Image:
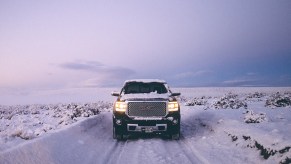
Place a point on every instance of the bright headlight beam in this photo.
(120, 106)
(173, 106)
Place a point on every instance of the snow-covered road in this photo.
(90, 141)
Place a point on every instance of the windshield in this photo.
(140, 87)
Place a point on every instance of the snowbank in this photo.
(30, 121)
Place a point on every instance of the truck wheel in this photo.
(116, 134)
(176, 133)
(175, 136)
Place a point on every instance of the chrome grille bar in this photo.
(147, 109)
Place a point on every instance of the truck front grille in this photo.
(147, 109)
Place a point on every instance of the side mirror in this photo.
(175, 94)
(114, 93)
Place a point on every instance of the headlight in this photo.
(173, 106)
(120, 106)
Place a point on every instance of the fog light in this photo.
(175, 121)
(170, 118)
(118, 122)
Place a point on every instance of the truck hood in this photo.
(145, 96)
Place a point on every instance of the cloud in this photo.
(95, 66)
(251, 74)
(98, 74)
(249, 79)
(193, 74)
(102, 81)
(241, 82)
(87, 65)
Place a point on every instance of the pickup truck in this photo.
(146, 106)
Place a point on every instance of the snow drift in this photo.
(243, 125)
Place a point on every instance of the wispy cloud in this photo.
(249, 79)
(100, 75)
(251, 74)
(240, 82)
(191, 74)
(83, 65)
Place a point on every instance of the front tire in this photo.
(175, 136)
(116, 134)
(175, 133)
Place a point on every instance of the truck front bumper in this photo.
(123, 123)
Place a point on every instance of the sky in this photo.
(191, 43)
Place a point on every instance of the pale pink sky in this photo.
(66, 44)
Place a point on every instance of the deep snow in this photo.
(219, 125)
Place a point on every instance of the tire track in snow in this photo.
(145, 150)
(121, 153)
(104, 135)
(155, 152)
(133, 152)
(186, 145)
(113, 149)
(110, 153)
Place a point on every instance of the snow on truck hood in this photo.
(146, 81)
(152, 95)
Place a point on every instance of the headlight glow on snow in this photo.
(120, 106)
(173, 106)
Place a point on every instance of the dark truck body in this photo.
(146, 106)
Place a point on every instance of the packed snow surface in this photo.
(219, 125)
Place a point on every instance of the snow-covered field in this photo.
(219, 125)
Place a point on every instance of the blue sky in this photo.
(74, 44)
